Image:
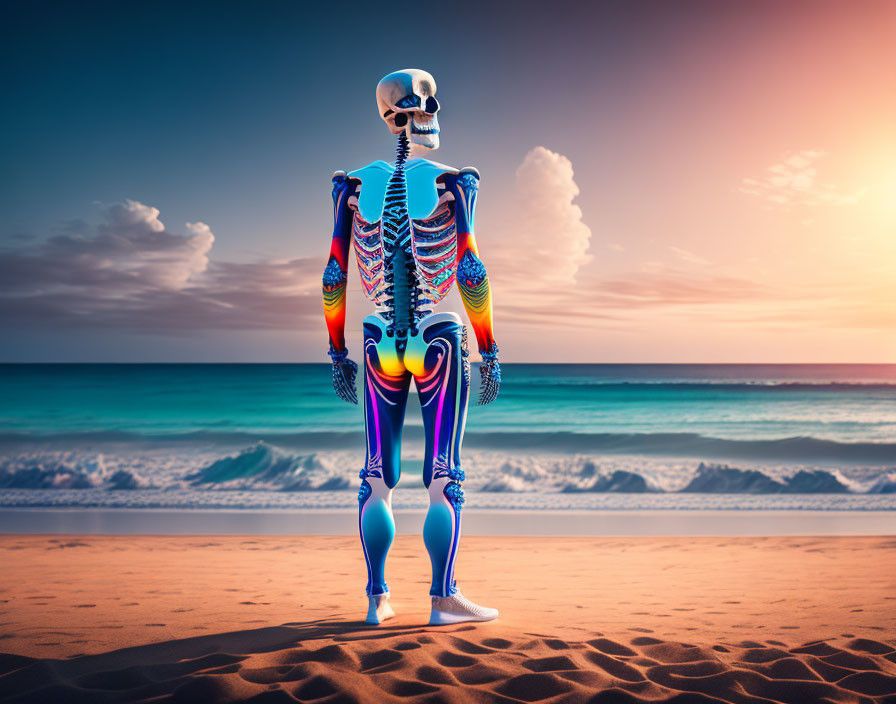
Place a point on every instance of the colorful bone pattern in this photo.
(444, 250)
(434, 243)
(335, 274)
(436, 359)
(472, 280)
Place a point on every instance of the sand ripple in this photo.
(341, 662)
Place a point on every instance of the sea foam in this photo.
(262, 475)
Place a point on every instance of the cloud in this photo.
(133, 273)
(794, 181)
(131, 251)
(130, 272)
(537, 256)
(672, 287)
(544, 227)
(620, 297)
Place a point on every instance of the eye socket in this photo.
(408, 101)
(432, 105)
(401, 119)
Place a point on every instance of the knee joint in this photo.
(446, 483)
(455, 495)
(372, 482)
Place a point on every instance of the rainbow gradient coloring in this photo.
(412, 227)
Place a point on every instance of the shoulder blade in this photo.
(423, 192)
(374, 178)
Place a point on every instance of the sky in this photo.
(661, 181)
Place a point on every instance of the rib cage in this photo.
(369, 251)
(433, 244)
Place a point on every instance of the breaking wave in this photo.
(66, 471)
(263, 467)
(266, 467)
(791, 449)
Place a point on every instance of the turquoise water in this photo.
(840, 403)
(555, 429)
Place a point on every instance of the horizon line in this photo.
(618, 364)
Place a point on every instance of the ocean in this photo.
(640, 437)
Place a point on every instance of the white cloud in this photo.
(794, 181)
(129, 252)
(535, 254)
(131, 272)
(544, 227)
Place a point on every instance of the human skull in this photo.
(407, 102)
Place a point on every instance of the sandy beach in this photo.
(277, 619)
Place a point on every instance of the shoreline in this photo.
(482, 522)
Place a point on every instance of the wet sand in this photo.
(516, 522)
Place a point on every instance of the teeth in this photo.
(430, 127)
(424, 129)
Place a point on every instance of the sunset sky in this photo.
(661, 182)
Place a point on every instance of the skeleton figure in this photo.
(411, 224)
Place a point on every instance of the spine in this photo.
(402, 292)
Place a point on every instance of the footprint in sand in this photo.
(450, 659)
(534, 687)
(874, 647)
(409, 688)
(469, 647)
(617, 668)
(610, 647)
(556, 644)
(434, 675)
(644, 640)
(381, 660)
(558, 663)
(408, 646)
(318, 687)
(481, 674)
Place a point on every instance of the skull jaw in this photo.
(428, 141)
(424, 134)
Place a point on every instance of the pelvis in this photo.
(419, 353)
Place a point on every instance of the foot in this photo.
(379, 609)
(458, 609)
